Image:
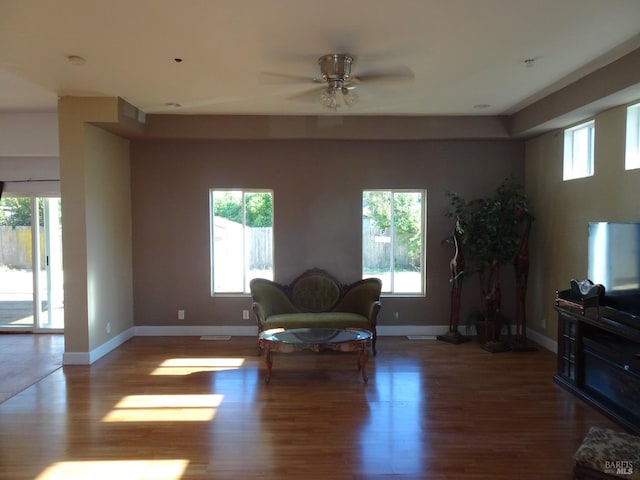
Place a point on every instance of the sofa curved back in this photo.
(360, 297)
(315, 291)
(270, 297)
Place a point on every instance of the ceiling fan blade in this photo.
(279, 78)
(395, 74)
(308, 96)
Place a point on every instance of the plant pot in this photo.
(483, 330)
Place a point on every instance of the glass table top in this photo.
(316, 336)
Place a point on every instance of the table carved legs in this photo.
(362, 348)
(363, 358)
(269, 361)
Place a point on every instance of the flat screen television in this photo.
(614, 261)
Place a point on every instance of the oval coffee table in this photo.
(316, 339)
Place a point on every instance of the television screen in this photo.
(614, 256)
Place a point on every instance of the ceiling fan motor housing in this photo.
(335, 67)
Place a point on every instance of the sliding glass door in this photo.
(16, 264)
(50, 278)
(31, 279)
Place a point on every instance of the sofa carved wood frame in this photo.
(315, 299)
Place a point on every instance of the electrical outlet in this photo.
(180, 314)
(245, 314)
(396, 315)
(108, 328)
(544, 323)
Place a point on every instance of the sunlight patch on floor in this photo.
(109, 470)
(24, 321)
(187, 366)
(165, 408)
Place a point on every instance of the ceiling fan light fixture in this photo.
(335, 66)
(350, 97)
(334, 97)
(329, 98)
(335, 73)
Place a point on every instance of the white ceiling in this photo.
(464, 53)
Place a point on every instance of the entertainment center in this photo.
(599, 360)
(599, 327)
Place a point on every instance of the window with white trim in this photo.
(632, 152)
(241, 238)
(393, 239)
(578, 151)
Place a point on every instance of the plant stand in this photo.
(495, 346)
(456, 267)
(453, 337)
(521, 266)
(489, 340)
(523, 347)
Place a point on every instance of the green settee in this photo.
(316, 299)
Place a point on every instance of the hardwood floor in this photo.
(184, 408)
(26, 358)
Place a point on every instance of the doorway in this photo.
(31, 274)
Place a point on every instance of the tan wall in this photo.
(109, 244)
(29, 162)
(28, 134)
(95, 192)
(564, 209)
(317, 197)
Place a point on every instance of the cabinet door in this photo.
(614, 383)
(568, 339)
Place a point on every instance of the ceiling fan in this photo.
(335, 71)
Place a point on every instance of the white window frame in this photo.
(579, 144)
(393, 291)
(632, 151)
(245, 267)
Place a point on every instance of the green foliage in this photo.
(228, 206)
(377, 203)
(406, 218)
(258, 205)
(259, 208)
(490, 227)
(16, 212)
(407, 223)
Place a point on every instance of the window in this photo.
(632, 155)
(578, 151)
(393, 225)
(241, 239)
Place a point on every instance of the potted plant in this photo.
(490, 234)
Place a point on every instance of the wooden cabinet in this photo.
(568, 358)
(599, 360)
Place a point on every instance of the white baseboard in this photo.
(411, 330)
(541, 340)
(195, 331)
(87, 358)
(76, 358)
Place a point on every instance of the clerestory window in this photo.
(632, 152)
(579, 142)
